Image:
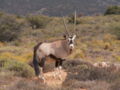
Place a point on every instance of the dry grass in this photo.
(97, 40)
(80, 75)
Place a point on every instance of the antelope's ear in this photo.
(65, 36)
(74, 37)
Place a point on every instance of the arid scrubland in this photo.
(98, 40)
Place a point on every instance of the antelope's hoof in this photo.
(41, 78)
(57, 76)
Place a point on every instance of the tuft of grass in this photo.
(117, 57)
(31, 85)
(77, 54)
(115, 85)
(8, 55)
(19, 68)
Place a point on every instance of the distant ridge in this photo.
(54, 7)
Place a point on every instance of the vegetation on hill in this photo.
(98, 40)
(56, 7)
(38, 21)
(113, 10)
(16, 68)
(10, 28)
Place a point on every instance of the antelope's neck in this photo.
(66, 47)
(70, 51)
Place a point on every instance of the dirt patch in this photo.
(57, 80)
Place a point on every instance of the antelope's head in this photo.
(69, 37)
(70, 41)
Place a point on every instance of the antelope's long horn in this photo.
(75, 22)
(75, 17)
(65, 26)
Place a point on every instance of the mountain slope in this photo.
(55, 7)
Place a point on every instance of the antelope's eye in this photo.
(69, 39)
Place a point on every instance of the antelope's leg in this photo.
(57, 64)
(60, 64)
(56, 68)
(36, 67)
(41, 73)
(60, 68)
(42, 64)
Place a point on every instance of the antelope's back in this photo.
(57, 48)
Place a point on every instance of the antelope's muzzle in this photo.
(71, 46)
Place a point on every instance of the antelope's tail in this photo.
(35, 60)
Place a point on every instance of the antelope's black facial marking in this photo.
(71, 41)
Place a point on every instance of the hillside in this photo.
(55, 7)
(95, 62)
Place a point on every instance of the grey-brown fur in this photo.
(58, 50)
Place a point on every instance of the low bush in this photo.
(10, 28)
(38, 21)
(11, 56)
(19, 68)
(78, 54)
(113, 10)
(82, 71)
(31, 85)
(115, 29)
(85, 85)
(115, 85)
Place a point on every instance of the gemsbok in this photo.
(57, 50)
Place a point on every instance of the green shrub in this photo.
(115, 29)
(19, 68)
(10, 28)
(113, 10)
(38, 21)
